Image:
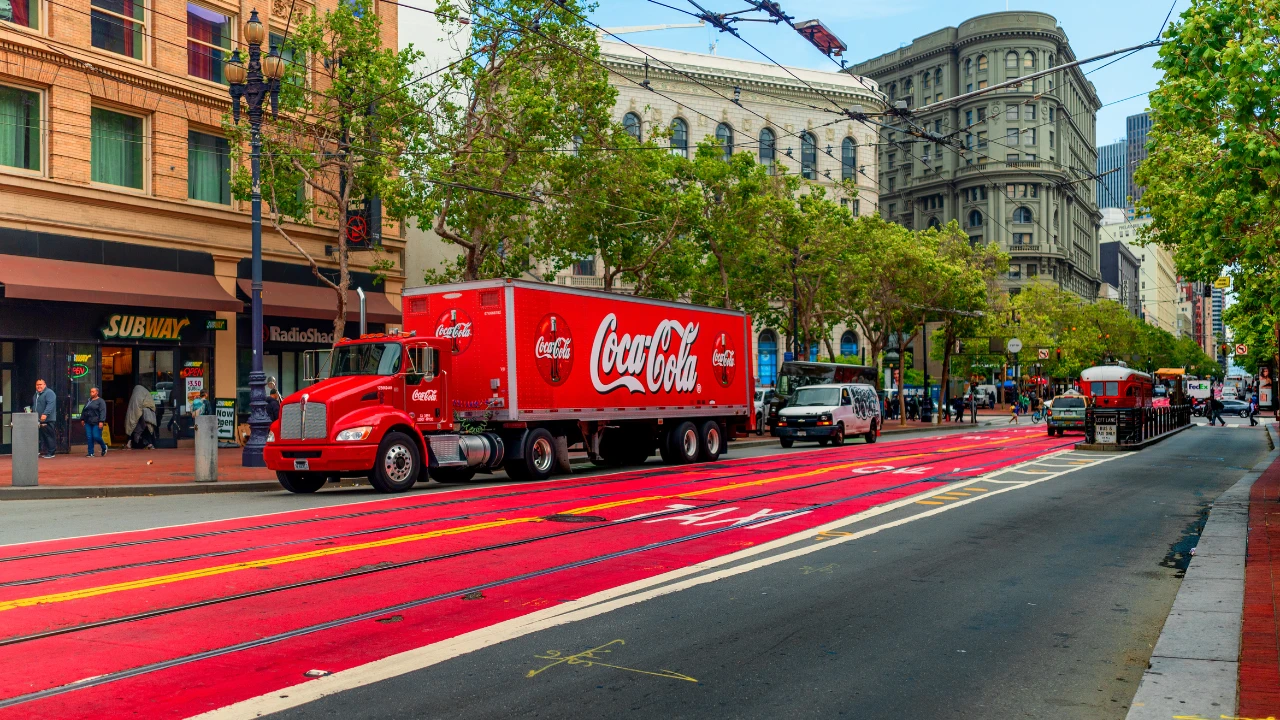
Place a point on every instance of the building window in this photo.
(968, 66)
(1022, 215)
(1032, 270)
(893, 157)
(1015, 272)
(118, 26)
(1022, 238)
(893, 209)
(1011, 113)
(20, 128)
(768, 148)
(1011, 158)
(968, 118)
(1011, 60)
(968, 87)
(937, 78)
(1050, 114)
(767, 358)
(982, 140)
(891, 186)
(1031, 136)
(631, 123)
(1050, 139)
(808, 156)
(208, 42)
(975, 218)
(982, 114)
(1011, 136)
(724, 135)
(1028, 112)
(208, 168)
(924, 81)
(933, 222)
(849, 344)
(679, 137)
(21, 12)
(295, 63)
(982, 84)
(982, 63)
(893, 91)
(848, 159)
(585, 266)
(117, 155)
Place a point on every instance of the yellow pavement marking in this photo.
(593, 658)
(416, 537)
(927, 502)
(977, 489)
(957, 492)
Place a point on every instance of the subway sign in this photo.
(144, 327)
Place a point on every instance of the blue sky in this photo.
(870, 28)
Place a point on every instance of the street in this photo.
(993, 574)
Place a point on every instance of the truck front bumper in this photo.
(336, 458)
(820, 431)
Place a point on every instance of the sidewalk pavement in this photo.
(172, 472)
(1217, 655)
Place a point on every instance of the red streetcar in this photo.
(1112, 386)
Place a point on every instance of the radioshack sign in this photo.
(310, 336)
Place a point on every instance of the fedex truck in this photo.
(514, 374)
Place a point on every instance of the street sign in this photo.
(225, 410)
(1222, 283)
(1014, 345)
(1242, 349)
(1042, 354)
(1104, 431)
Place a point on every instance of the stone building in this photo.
(1015, 167)
(124, 260)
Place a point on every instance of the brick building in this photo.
(123, 256)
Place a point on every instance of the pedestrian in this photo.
(1013, 414)
(45, 403)
(1253, 410)
(94, 416)
(1215, 411)
(273, 405)
(973, 408)
(140, 420)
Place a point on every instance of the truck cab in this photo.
(380, 410)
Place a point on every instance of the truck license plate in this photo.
(302, 464)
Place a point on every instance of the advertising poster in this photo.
(1266, 388)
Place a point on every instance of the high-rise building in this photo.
(1136, 128)
(1119, 268)
(1219, 332)
(1011, 180)
(1158, 291)
(1113, 172)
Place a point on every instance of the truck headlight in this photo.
(824, 419)
(271, 436)
(355, 434)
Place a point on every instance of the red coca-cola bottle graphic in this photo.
(724, 365)
(555, 354)
(723, 360)
(453, 323)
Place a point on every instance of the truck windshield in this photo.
(366, 359)
(812, 397)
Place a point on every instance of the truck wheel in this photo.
(837, 437)
(452, 474)
(296, 482)
(685, 443)
(639, 447)
(539, 457)
(710, 441)
(397, 464)
(871, 433)
(664, 445)
(786, 442)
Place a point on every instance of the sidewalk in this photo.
(1259, 679)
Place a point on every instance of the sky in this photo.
(871, 28)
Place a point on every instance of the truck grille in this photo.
(291, 427)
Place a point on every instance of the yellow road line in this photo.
(416, 537)
(928, 502)
(976, 489)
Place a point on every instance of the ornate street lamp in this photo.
(255, 83)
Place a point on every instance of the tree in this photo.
(347, 136)
(499, 124)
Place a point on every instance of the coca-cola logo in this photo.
(553, 349)
(455, 326)
(661, 362)
(724, 360)
(425, 395)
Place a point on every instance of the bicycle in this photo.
(1037, 416)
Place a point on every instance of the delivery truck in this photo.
(513, 374)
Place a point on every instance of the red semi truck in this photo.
(514, 374)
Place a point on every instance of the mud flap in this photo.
(562, 453)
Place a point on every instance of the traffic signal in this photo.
(1058, 351)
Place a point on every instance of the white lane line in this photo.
(592, 605)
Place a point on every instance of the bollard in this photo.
(26, 450)
(206, 448)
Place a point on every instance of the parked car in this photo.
(763, 397)
(829, 414)
(1235, 407)
(1065, 412)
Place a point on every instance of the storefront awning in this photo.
(1170, 372)
(319, 303)
(30, 278)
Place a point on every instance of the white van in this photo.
(829, 414)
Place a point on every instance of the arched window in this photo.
(924, 81)
(849, 344)
(1029, 61)
(937, 78)
(631, 123)
(768, 148)
(680, 137)
(1055, 217)
(1022, 215)
(893, 91)
(767, 357)
(808, 156)
(975, 218)
(1011, 60)
(848, 159)
(906, 87)
(724, 136)
(982, 63)
(933, 222)
(968, 66)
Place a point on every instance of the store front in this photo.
(50, 329)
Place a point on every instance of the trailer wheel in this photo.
(710, 441)
(539, 457)
(664, 445)
(452, 474)
(639, 446)
(397, 464)
(296, 482)
(685, 443)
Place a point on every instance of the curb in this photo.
(1195, 663)
(67, 492)
(1094, 447)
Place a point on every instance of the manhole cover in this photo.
(574, 518)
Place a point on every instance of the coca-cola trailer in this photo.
(515, 374)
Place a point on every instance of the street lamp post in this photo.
(255, 84)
